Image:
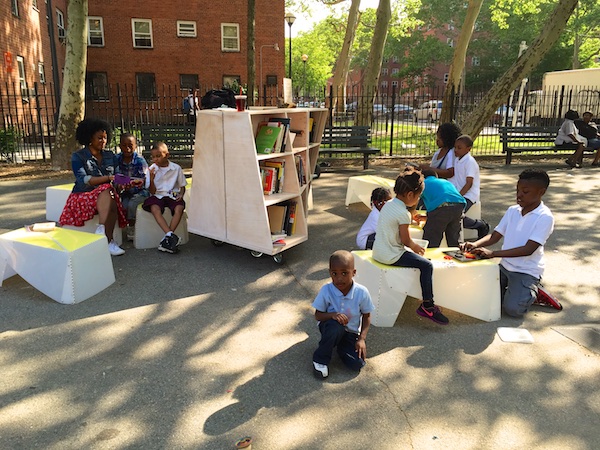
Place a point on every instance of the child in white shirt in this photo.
(366, 234)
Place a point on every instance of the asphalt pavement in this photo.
(199, 349)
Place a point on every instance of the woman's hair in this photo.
(88, 127)
(572, 115)
(380, 194)
(410, 180)
(448, 133)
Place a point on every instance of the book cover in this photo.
(276, 215)
(279, 166)
(266, 139)
(285, 121)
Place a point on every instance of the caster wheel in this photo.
(217, 243)
(278, 258)
(256, 254)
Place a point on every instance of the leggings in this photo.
(410, 259)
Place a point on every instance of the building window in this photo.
(395, 59)
(142, 33)
(22, 82)
(188, 81)
(60, 25)
(230, 37)
(451, 25)
(475, 61)
(450, 42)
(14, 4)
(384, 71)
(394, 83)
(384, 85)
(95, 32)
(395, 71)
(231, 81)
(446, 76)
(186, 28)
(146, 86)
(96, 86)
(34, 4)
(42, 72)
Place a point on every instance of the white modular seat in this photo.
(147, 232)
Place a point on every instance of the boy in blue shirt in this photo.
(444, 206)
(341, 307)
(525, 227)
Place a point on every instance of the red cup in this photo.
(240, 102)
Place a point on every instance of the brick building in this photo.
(176, 44)
(25, 43)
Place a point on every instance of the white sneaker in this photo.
(321, 370)
(100, 229)
(114, 249)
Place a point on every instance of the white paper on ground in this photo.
(520, 335)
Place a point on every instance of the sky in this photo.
(304, 22)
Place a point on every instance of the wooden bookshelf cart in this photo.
(227, 202)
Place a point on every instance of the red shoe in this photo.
(544, 298)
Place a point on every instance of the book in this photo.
(279, 243)
(291, 219)
(277, 214)
(266, 138)
(269, 176)
(285, 121)
(279, 166)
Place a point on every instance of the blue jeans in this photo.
(334, 334)
(410, 259)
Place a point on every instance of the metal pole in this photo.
(290, 53)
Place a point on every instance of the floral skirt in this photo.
(81, 207)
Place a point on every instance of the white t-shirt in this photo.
(446, 162)
(537, 225)
(388, 248)
(368, 228)
(466, 167)
(568, 127)
(168, 180)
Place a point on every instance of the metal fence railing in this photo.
(402, 123)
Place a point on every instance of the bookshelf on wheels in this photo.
(254, 198)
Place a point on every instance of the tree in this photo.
(458, 61)
(371, 80)
(555, 24)
(72, 106)
(342, 66)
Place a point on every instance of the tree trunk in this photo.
(458, 61)
(555, 24)
(342, 65)
(251, 53)
(371, 80)
(72, 107)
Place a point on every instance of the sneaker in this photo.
(483, 230)
(114, 249)
(175, 240)
(100, 229)
(320, 370)
(434, 313)
(166, 245)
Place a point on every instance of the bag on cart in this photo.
(215, 98)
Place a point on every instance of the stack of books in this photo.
(282, 219)
(272, 136)
(272, 174)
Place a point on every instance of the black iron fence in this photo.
(402, 123)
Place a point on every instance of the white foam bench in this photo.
(56, 199)
(66, 265)
(471, 288)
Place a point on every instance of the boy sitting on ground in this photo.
(166, 182)
(525, 227)
(341, 307)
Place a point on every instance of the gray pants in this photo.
(517, 291)
(445, 219)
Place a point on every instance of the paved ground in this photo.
(196, 350)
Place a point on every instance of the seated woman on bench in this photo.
(568, 134)
(93, 193)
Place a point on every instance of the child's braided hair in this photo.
(410, 180)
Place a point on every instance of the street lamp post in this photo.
(290, 19)
(304, 59)
(261, 81)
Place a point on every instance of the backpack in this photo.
(215, 98)
(187, 106)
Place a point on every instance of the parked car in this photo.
(379, 110)
(402, 111)
(499, 116)
(429, 110)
